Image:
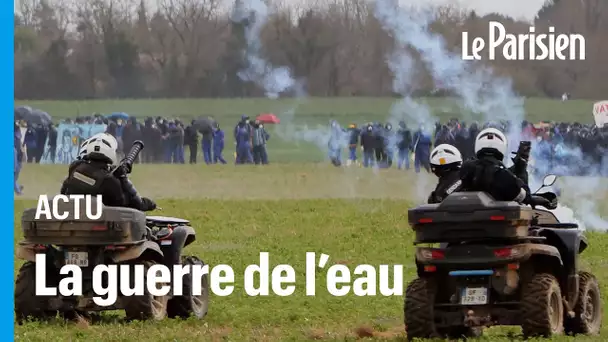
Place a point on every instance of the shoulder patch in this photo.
(83, 178)
(454, 187)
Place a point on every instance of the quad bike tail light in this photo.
(508, 252)
(432, 254)
(39, 247)
(497, 218)
(437, 254)
(502, 252)
(425, 220)
(430, 268)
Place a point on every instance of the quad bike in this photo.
(122, 236)
(498, 263)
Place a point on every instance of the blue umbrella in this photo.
(118, 115)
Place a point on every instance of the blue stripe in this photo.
(471, 273)
(7, 122)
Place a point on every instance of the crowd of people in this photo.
(563, 148)
(558, 147)
(165, 140)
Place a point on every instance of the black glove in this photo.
(148, 204)
(551, 203)
(547, 204)
(551, 200)
(519, 163)
(122, 170)
(523, 151)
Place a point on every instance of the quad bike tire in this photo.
(418, 309)
(419, 314)
(542, 309)
(587, 318)
(27, 304)
(147, 306)
(188, 304)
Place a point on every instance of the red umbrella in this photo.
(268, 118)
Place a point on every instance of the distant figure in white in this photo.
(565, 97)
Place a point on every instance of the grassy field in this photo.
(298, 138)
(309, 110)
(356, 216)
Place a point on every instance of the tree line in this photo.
(191, 48)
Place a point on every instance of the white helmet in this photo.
(445, 156)
(100, 145)
(492, 141)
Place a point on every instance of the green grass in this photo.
(356, 216)
(285, 146)
(309, 110)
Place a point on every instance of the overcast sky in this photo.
(519, 9)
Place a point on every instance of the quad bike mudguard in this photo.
(570, 242)
(181, 237)
(151, 250)
(26, 252)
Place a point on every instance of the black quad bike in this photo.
(498, 263)
(122, 236)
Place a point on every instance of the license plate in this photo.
(80, 259)
(474, 296)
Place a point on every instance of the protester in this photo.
(259, 138)
(218, 145)
(18, 155)
(558, 147)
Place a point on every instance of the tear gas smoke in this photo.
(478, 90)
(480, 93)
(413, 113)
(562, 212)
(565, 214)
(402, 66)
(254, 15)
(583, 194)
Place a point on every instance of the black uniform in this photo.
(191, 139)
(488, 174)
(404, 138)
(449, 182)
(94, 177)
(368, 141)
